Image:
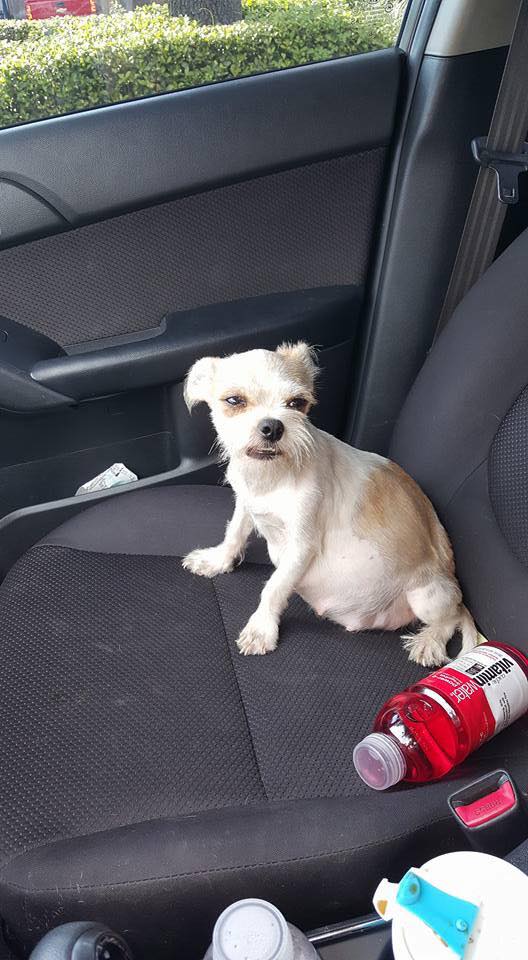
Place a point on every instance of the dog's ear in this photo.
(304, 358)
(199, 382)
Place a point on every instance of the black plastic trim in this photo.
(324, 317)
(432, 182)
(20, 348)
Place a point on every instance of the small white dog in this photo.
(347, 530)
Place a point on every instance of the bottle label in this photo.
(487, 686)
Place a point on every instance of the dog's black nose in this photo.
(271, 430)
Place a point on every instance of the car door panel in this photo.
(222, 218)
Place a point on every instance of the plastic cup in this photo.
(252, 930)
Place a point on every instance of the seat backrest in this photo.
(463, 435)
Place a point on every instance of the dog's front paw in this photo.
(209, 562)
(425, 650)
(260, 635)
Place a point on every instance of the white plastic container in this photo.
(256, 930)
(500, 891)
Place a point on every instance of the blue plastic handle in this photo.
(451, 918)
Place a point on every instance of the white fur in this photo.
(306, 502)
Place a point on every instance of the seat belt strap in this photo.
(502, 155)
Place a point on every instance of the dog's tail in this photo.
(470, 635)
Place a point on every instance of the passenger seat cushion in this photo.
(137, 704)
(166, 522)
(149, 773)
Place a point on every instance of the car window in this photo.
(60, 56)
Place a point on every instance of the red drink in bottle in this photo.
(422, 733)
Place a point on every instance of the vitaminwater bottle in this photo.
(422, 733)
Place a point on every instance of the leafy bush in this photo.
(56, 66)
(21, 29)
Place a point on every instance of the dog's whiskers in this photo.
(218, 448)
(213, 447)
(302, 448)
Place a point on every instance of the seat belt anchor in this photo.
(507, 167)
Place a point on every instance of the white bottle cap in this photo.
(379, 761)
(252, 930)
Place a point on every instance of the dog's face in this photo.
(259, 401)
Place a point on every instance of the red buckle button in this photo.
(488, 807)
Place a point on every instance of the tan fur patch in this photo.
(234, 410)
(301, 360)
(397, 516)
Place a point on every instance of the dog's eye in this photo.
(297, 403)
(235, 401)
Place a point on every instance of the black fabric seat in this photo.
(463, 435)
(149, 774)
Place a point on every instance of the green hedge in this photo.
(21, 29)
(57, 66)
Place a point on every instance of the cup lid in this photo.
(252, 930)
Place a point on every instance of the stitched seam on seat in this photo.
(499, 757)
(103, 553)
(234, 867)
(116, 553)
(465, 480)
(242, 703)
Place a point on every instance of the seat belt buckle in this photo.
(492, 813)
(507, 167)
